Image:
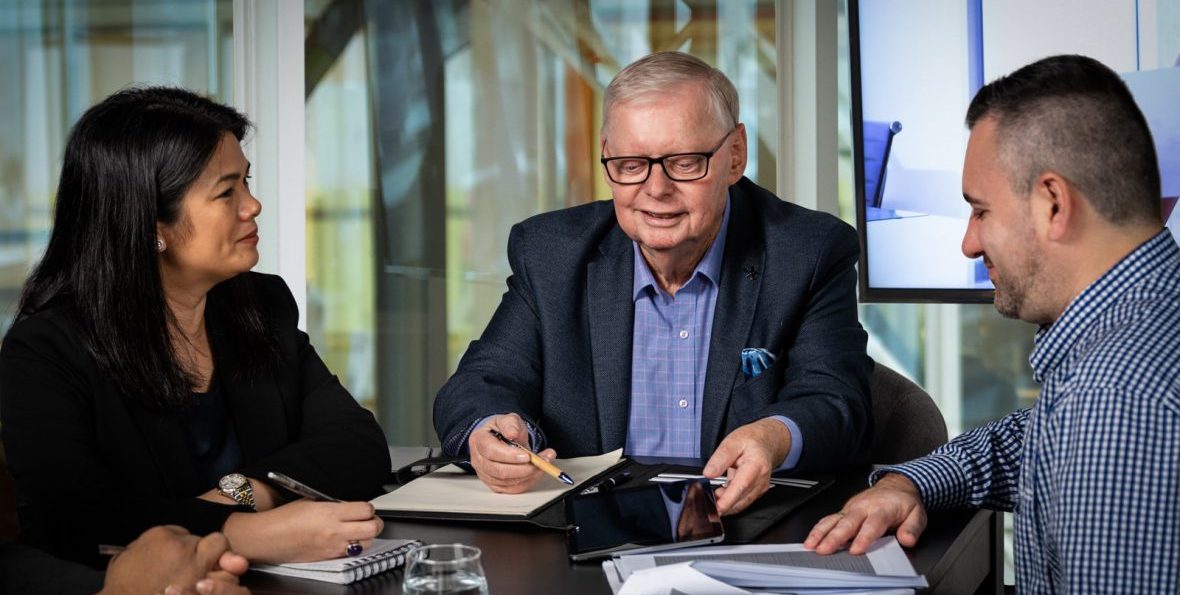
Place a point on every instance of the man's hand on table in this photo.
(747, 456)
(893, 503)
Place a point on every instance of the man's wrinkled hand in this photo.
(503, 468)
(747, 456)
(893, 503)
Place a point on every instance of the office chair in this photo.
(907, 424)
(878, 140)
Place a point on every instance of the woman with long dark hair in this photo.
(150, 378)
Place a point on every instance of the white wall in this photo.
(914, 60)
(1016, 32)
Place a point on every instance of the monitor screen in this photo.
(916, 64)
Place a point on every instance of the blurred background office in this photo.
(428, 128)
(398, 140)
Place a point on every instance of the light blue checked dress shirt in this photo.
(1092, 470)
(669, 358)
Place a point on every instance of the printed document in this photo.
(759, 568)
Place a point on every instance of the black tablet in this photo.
(651, 517)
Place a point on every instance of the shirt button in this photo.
(683, 403)
(683, 334)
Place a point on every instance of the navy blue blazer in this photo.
(558, 349)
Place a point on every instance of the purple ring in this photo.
(354, 549)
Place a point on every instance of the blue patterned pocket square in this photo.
(756, 360)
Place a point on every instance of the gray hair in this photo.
(655, 73)
(1075, 116)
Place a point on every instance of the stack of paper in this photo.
(764, 568)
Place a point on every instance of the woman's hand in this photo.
(302, 531)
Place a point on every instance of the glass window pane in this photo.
(60, 57)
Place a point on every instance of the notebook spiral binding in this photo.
(364, 567)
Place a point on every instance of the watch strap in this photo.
(243, 495)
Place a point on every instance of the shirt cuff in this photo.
(796, 450)
(940, 480)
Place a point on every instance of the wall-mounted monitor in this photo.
(916, 64)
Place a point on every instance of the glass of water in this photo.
(447, 569)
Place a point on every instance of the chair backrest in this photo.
(907, 424)
(877, 140)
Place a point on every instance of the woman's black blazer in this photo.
(93, 467)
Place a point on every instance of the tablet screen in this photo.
(655, 516)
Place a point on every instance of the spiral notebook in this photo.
(385, 554)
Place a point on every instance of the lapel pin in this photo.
(751, 273)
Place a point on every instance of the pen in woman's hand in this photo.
(354, 547)
(300, 488)
(538, 462)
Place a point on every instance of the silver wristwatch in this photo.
(237, 487)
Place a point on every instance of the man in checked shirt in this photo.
(1062, 178)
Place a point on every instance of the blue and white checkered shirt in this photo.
(1092, 470)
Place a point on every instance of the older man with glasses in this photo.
(696, 315)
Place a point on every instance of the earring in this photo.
(160, 245)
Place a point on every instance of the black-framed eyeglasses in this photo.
(679, 167)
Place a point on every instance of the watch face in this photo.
(231, 482)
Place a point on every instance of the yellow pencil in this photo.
(537, 461)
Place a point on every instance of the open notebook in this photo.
(385, 554)
(451, 492)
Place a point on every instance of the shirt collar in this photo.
(709, 266)
(1054, 342)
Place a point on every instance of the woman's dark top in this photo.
(210, 436)
(92, 466)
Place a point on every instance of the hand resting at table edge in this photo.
(894, 503)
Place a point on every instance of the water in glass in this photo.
(446, 569)
(455, 583)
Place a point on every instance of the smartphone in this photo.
(652, 517)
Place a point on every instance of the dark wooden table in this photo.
(961, 552)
